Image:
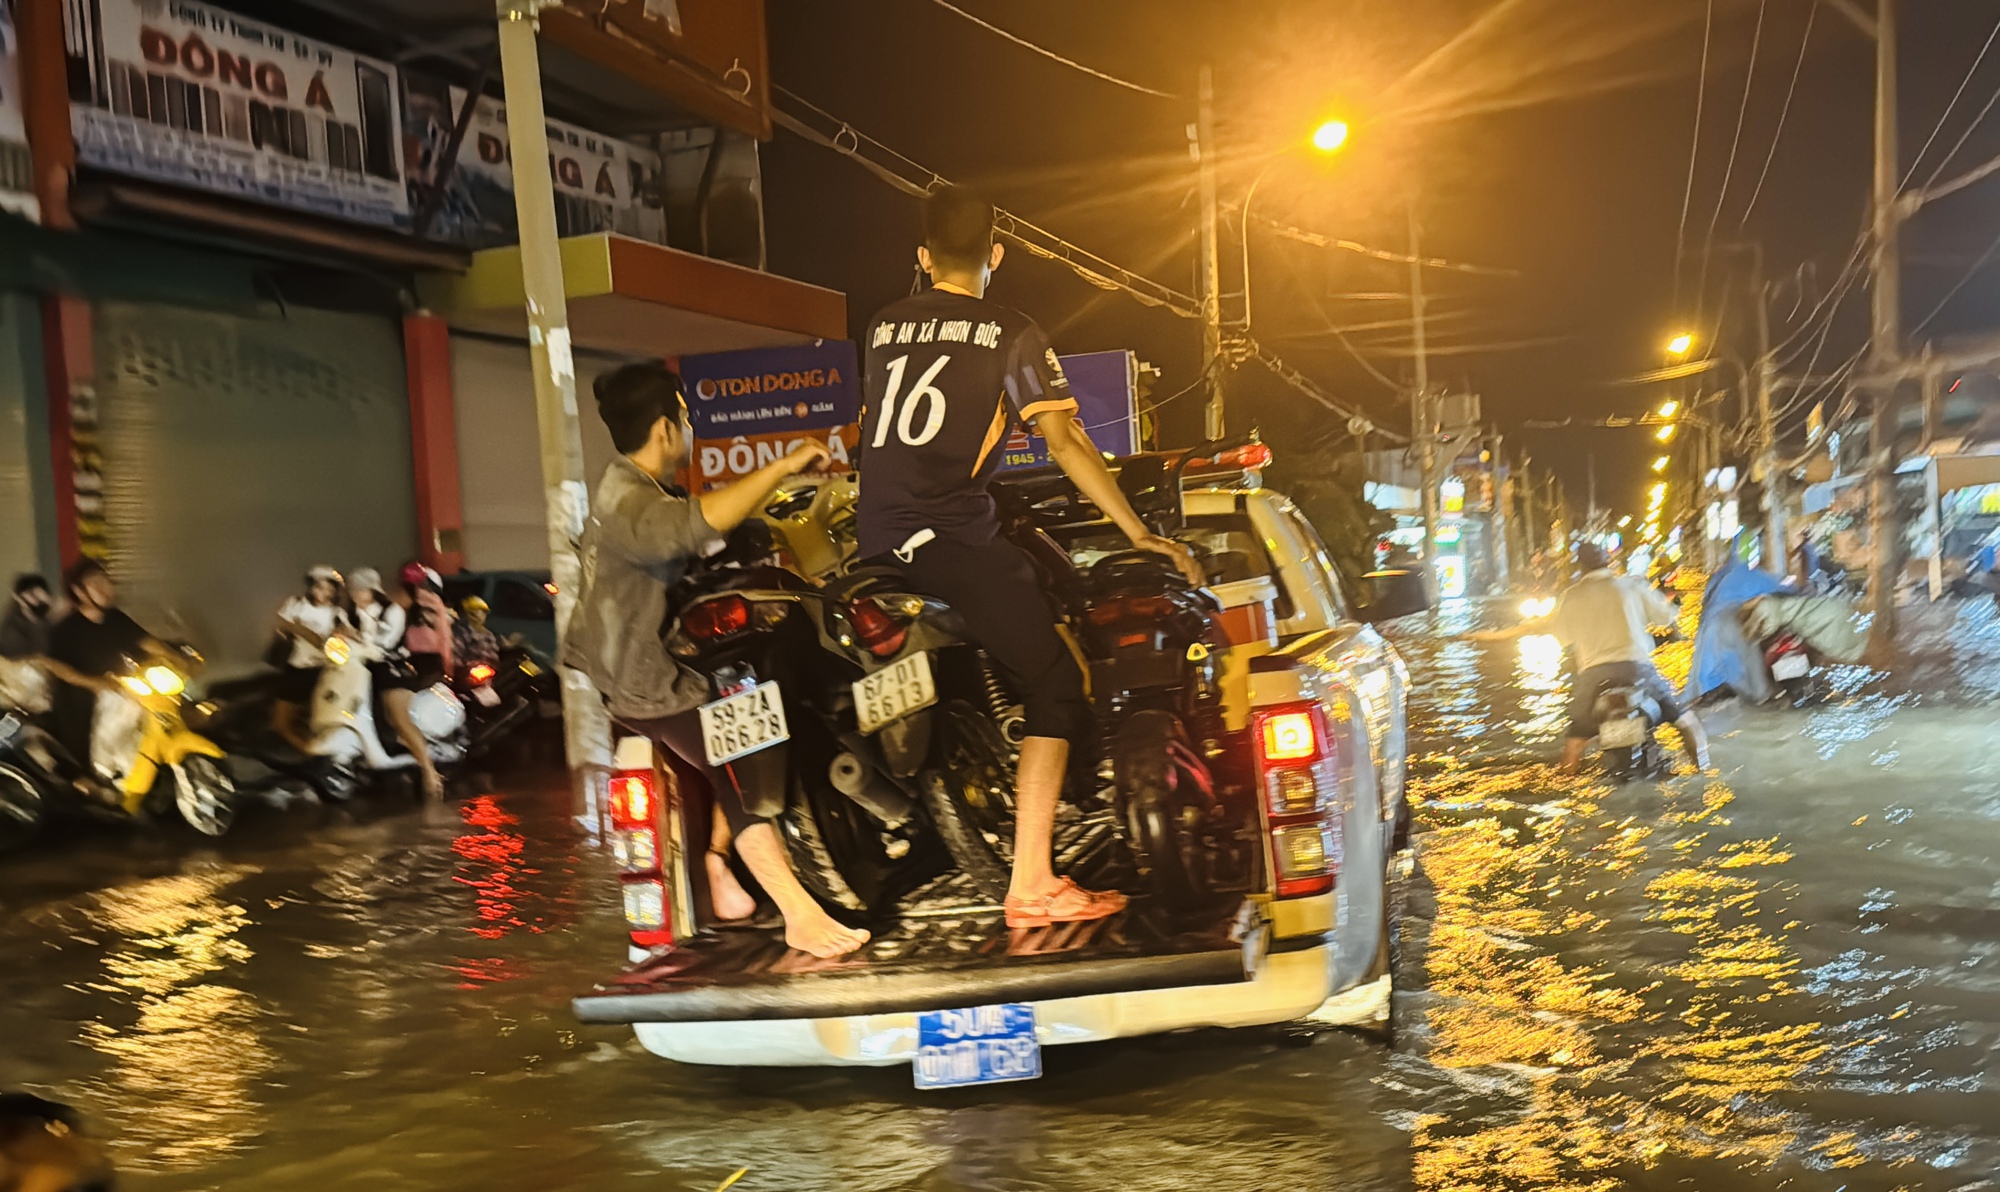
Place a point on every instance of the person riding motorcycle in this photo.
(427, 651)
(379, 626)
(949, 374)
(472, 642)
(86, 649)
(1603, 620)
(305, 622)
(642, 536)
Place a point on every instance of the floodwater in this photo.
(1783, 976)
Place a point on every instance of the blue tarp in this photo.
(1723, 655)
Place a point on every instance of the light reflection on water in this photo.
(185, 1042)
(1783, 976)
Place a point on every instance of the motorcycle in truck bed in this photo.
(1256, 853)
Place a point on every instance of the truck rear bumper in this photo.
(1289, 985)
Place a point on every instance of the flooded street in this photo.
(1783, 976)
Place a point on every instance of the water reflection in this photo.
(185, 1068)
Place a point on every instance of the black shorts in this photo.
(1588, 685)
(994, 589)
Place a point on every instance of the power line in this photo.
(1783, 113)
(1319, 240)
(1051, 54)
(1729, 166)
(850, 141)
(1694, 150)
(1949, 109)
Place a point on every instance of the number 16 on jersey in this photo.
(924, 396)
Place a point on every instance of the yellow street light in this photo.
(1666, 433)
(1330, 136)
(1669, 408)
(1660, 464)
(1659, 492)
(1680, 344)
(1624, 521)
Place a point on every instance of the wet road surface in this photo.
(1783, 976)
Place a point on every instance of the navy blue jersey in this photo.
(948, 376)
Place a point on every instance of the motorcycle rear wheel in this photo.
(969, 795)
(1153, 790)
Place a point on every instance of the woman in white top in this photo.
(379, 624)
(306, 621)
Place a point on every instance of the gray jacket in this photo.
(639, 542)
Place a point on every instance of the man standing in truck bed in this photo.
(948, 376)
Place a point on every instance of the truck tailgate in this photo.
(933, 964)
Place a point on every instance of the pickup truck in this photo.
(1314, 699)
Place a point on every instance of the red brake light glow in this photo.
(479, 673)
(634, 799)
(1132, 610)
(718, 618)
(1288, 737)
(881, 633)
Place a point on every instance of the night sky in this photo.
(1545, 137)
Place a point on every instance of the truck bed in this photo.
(947, 948)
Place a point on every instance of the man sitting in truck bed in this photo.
(948, 375)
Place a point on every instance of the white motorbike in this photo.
(343, 723)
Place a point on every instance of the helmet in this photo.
(473, 604)
(322, 572)
(416, 575)
(364, 579)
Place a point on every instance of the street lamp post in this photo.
(1327, 138)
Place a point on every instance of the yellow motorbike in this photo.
(142, 745)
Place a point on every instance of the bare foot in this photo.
(815, 932)
(725, 893)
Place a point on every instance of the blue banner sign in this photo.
(1106, 389)
(751, 407)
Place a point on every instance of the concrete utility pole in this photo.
(1775, 552)
(1423, 406)
(1503, 516)
(566, 499)
(1886, 343)
(1211, 264)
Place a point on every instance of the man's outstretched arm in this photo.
(1077, 456)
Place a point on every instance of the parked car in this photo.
(519, 603)
(1310, 750)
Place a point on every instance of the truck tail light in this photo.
(1297, 774)
(634, 809)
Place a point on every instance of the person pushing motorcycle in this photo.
(643, 534)
(949, 374)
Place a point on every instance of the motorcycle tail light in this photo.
(880, 632)
(1250, 457)
(712, 620)
(1132, 610)
(479, 673)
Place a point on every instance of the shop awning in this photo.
(628, 295)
